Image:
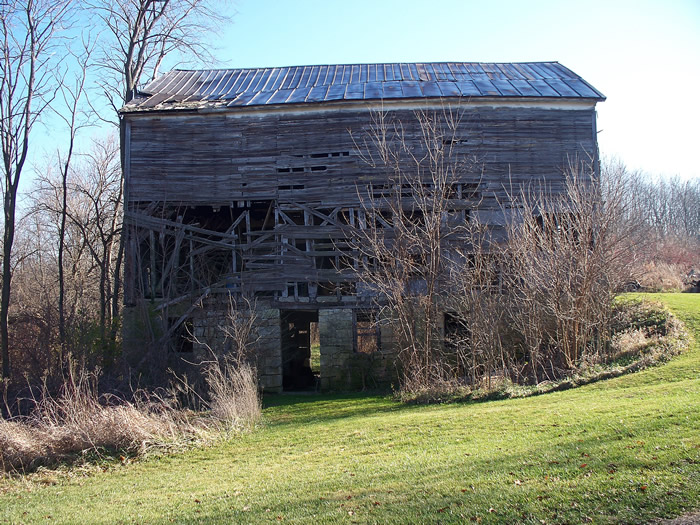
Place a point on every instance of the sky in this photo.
(643, 55)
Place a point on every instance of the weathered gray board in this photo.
(216, 159)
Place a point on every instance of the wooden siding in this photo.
(214, 159)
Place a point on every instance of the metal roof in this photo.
(181, 89)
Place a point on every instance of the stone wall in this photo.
(335, 327)
(210, 335)
(342, 368)
(270, 350)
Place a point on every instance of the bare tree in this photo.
(32, 319)
(96, 214)
(667, 211)
(79, 201)
(75, 217)
(28, 31)
(140, 34)
(71, 96)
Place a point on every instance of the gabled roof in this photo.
(180, 89)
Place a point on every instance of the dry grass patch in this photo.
(233, 388)
(79, 419)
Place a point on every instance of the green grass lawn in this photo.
(625, 450)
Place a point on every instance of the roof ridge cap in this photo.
(364, 64)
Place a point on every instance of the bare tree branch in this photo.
(140, 34)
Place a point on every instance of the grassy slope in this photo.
(619, 451)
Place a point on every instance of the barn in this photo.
(241, 184)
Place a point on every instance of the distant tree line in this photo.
(669, 210)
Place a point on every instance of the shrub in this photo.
(661, 277)
(645, 333)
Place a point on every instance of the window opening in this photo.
(183, 337)
(457, 333)
(367, 332)
(347, 288)
(325, 262)
(326, 289)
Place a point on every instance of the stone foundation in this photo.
(210, 335)
(342, 368)
(335, 327)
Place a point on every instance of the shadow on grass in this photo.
(316, 408)
(529, 485)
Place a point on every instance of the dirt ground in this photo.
(688, 519)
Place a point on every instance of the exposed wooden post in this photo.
(152, 268)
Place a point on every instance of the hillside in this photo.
(626, 450)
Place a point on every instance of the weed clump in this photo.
(233, 390)
(79, 419)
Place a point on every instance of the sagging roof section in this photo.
(180, 89)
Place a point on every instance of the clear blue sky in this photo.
(643, 55)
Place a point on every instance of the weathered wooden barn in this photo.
(242, 182)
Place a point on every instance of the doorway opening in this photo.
(301, 356)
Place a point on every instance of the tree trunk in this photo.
(61, 278)
(8, 240)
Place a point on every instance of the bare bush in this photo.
(476, 327)
(530, 308)
(403, 234)
(474, 302)
(570, 254)
(661, 276)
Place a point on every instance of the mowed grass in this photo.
(626, 450)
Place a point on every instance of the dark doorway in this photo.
(297, 340)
